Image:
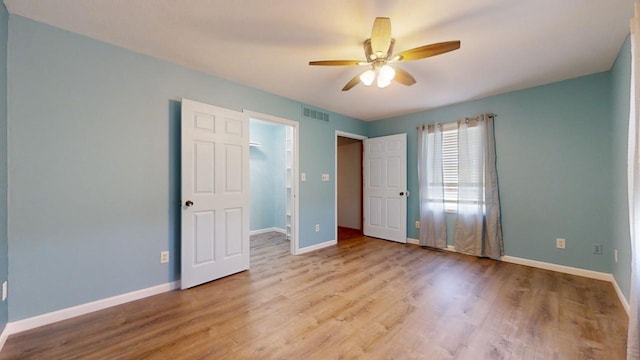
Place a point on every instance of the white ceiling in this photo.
(506, 44)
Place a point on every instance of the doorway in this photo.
(349, 181)
(273, 178)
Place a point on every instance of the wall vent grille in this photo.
(315, 114)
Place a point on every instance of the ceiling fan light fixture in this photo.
(386, 73)
(383, 83)
(367, 77)
(378, 51)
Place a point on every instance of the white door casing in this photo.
(385, 187)
(215, 193)
(292, 149)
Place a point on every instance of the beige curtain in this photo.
(433, 228)
(478, 224)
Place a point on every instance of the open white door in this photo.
(215, 193)
(385, 187)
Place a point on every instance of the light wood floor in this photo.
(364, 298)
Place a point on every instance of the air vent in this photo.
(315, 114)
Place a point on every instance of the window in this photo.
(454, 194)
(454, 162)
(450, 166)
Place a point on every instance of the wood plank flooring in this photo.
(364, 298)
(348, 233)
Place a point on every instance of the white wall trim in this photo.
(350, 135)
(557, 268)
(63, 314)
(295, 242)
(316, 247)
(417, 242)
(4, 336)
(270, 118)
(623, 300)
(266, 230)
(335, 171)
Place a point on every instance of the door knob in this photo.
(189, 203)
(401, 193)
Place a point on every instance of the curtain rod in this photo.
(491, 115)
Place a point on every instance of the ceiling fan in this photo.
(378, 50)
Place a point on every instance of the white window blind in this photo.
(463, 187)
(450, 166)
(471, 174)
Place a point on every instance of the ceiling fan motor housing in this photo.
(371, 56)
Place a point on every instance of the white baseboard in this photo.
(3, 337)
(623, 300)
(573, 271)
(266, 230)
(316, 247)
(557, 268)
(63, 314)
(417, 242)
(413, 241)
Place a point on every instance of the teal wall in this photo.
(553, 156)
(268, 173)
(620, 88)
(4, 259)
(94, 165)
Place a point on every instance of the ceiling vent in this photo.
(314, 114)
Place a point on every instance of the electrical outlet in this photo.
(597, 249)
(561, 243)
(325, 177)
(615, 255)
(418, 224)
(317, 227)
(164, 257)
(5, 291)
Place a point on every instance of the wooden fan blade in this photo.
(338, 62)
(381, 36)
(426, 51)
(355, 81)
(403, 77)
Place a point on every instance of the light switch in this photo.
(303, 177)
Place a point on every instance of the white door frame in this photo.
(344, 134)
(295, 244)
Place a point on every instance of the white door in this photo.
(215, 193)
(385, 187)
